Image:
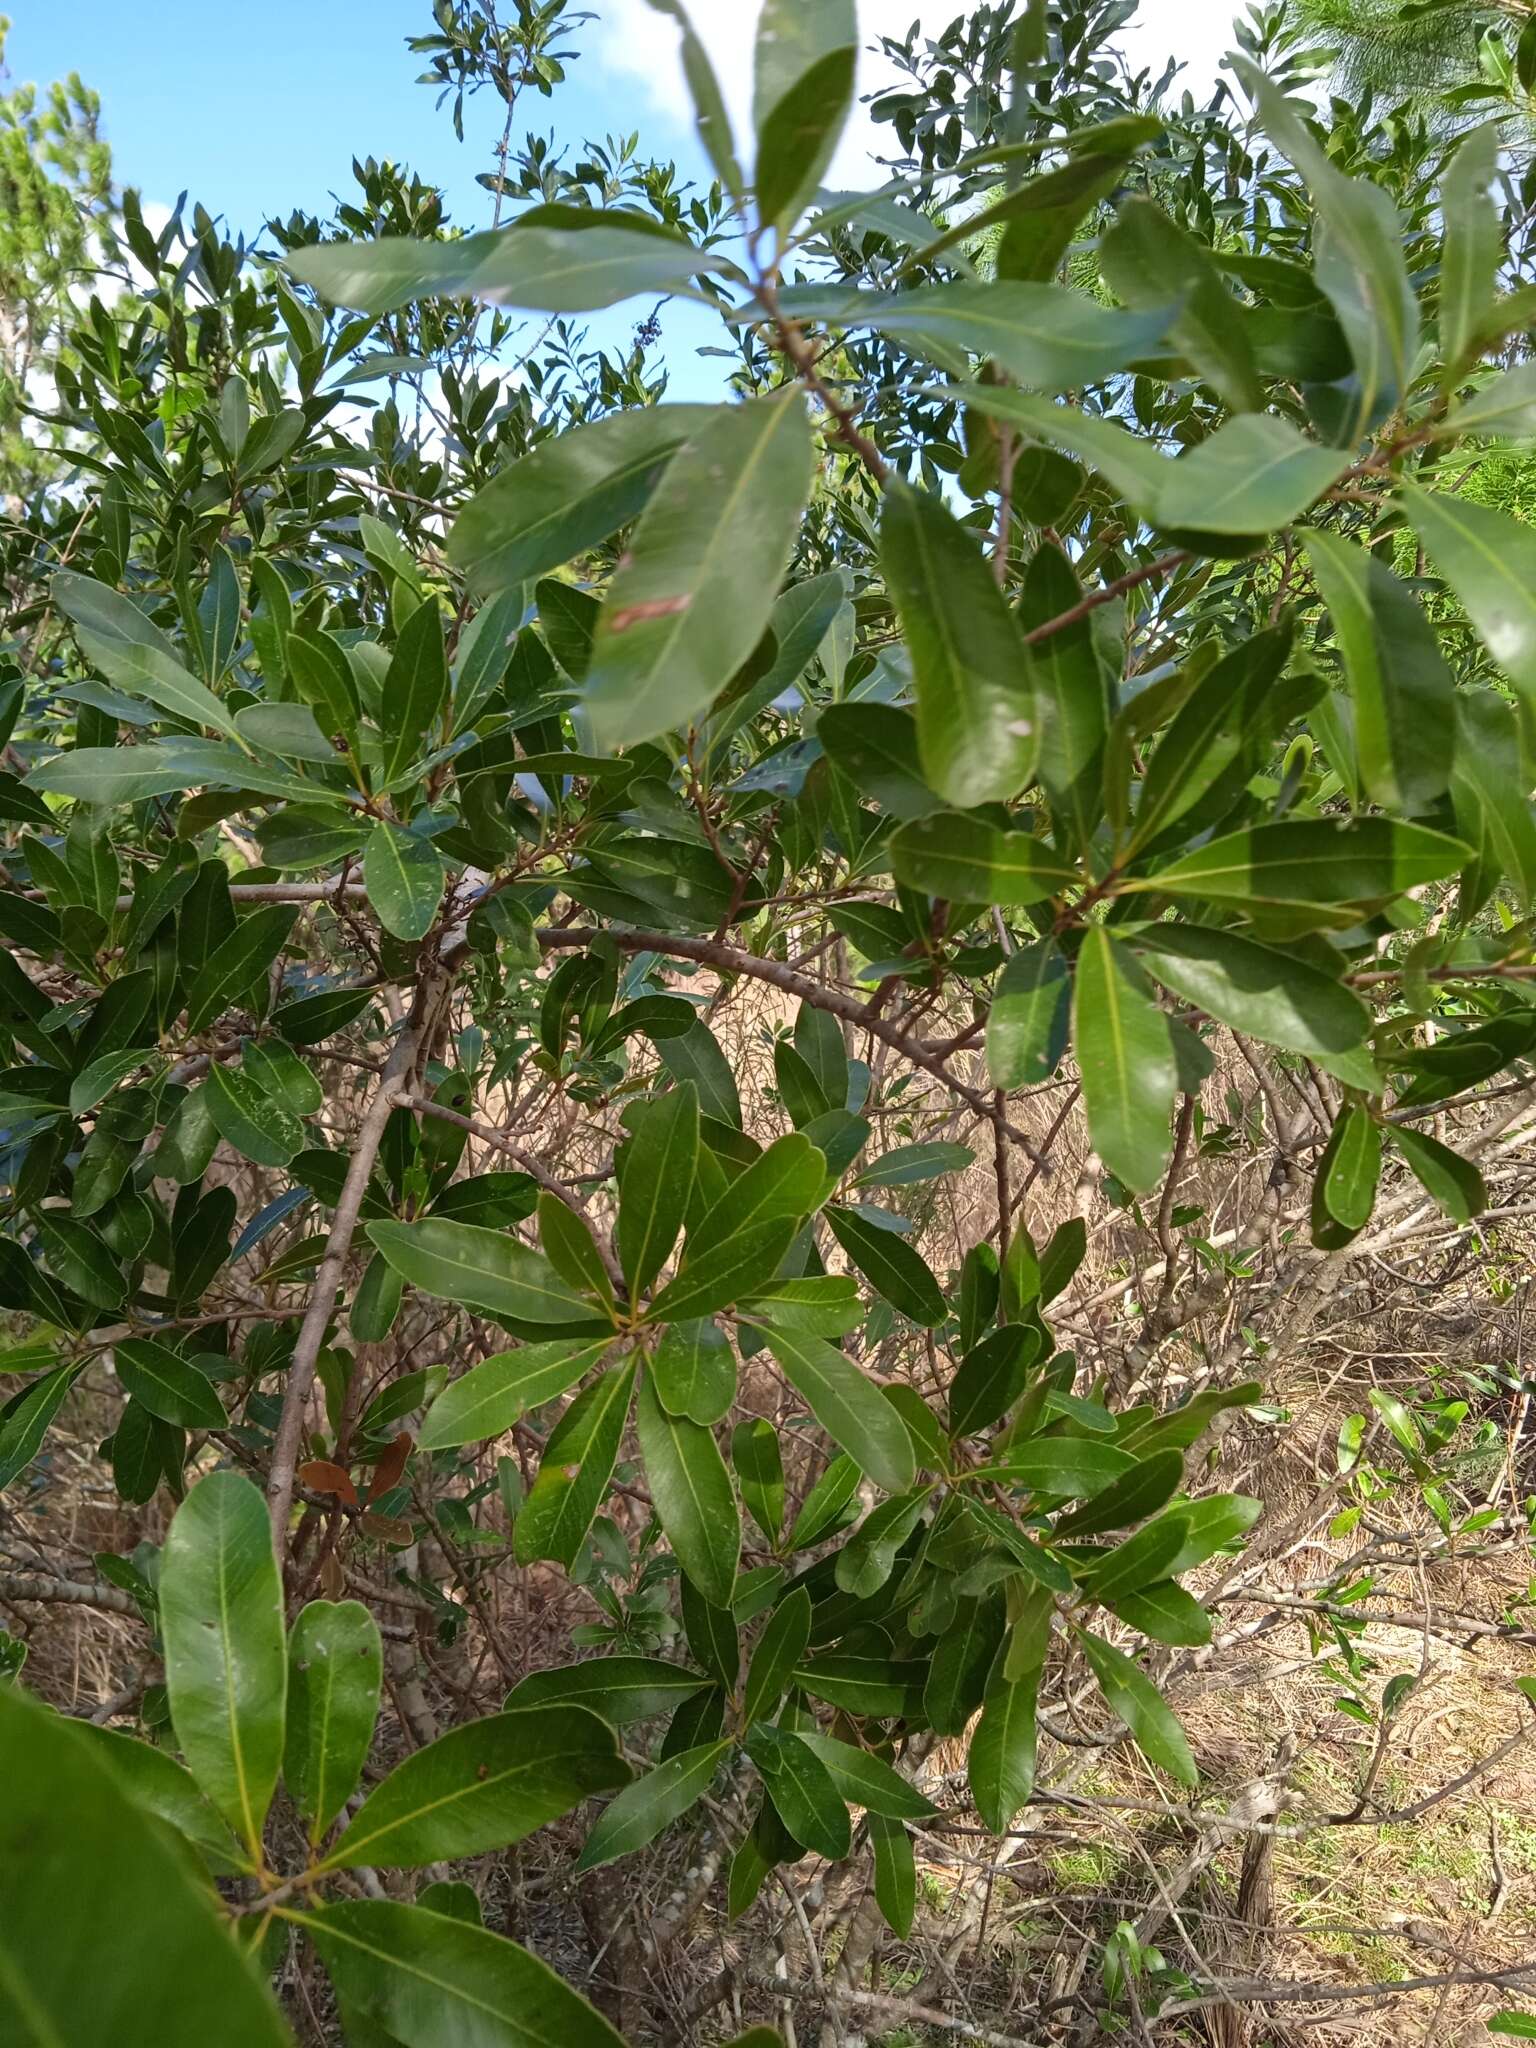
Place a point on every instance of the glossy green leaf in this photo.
(484, 1269)
(801, 1788)
(619, 1689)
(574, 1472)
(728, 1273)
(650, 1804)
(1139, 1704)
(968, 860)
(335, 1670)
(226, 1655)
(697, 586)
(1452, 1181)
(890, 1265)
(99, 1913)
(1312, 864)
(693, 1371)
(426, 1980)
(405, 877)
(555, 269)
(134, 654)
(415, 690)
(238, 962)
(1258, 990)
(1398, 679)
(567, 494)
(1473, 247)
(1489, 560)
(1076, 1467)
(481, 1786)
(977, 724)
(167, 1385)
(1146, 259)
(1049, 338)
(153, 1780)
(1000, 1764)
(1344, 1186)
(655, 1170)
(487, 1400)
(760, 1473)
(895, 1874)
(692, 1494)
(848, 1406)
(248, 1118)
(1029, 1018)
(779, 1649)
(1125, 1056)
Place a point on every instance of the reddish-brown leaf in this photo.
(321, 1476)
(389, 1468)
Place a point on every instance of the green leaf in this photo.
(868, 1558)
(572, 1249)
(991, 1378)
(875, 746)
(1076, 1467)
(574, 1472)
(248, 1118)
(906, 1166)
(779, 1649)
(323, 677)
(571, 268)
(1140, 1560)
(1047, 337)
(962, 1662)
(115, 637)
(1259, 991)
(890, 1265)
(482, 1786)
(426, 1980)
(696, 589)
(655, 1174)
(1358, 260)
(487, 1400)
(335, 1669)
(111, 775)
(710, 119)
(967, 860)
(153, 1780)
(289, 730)
(1313, 865)
(729, 1272)
(694, 1372)
(237, 962)
(167, 1385)
(405, 877)
(848, 1406)
(1344, 1189)
(802, 1791)
(1212, 730)
(798, 136)
(1000, 1765)
(415, 690)
(1404, 706)
(484, 1269)
(977, 724)
(1139, 1704)
(872, 1686)
(569, 493)
(1149, 1485)
(1453, 1183)
(1146, 260)
(1125, 1056)
(619, 1689)
(1489, 560)
(895, 1874)
(100, 1912)
(692, 1495)
(650, 1804)
(1255, 473)
(1028, 1021)
(1167, 1614)
(1210, 1525)
(760, 1473)
(226, 1661)
(1472, 249)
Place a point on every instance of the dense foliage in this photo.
(1069, 661)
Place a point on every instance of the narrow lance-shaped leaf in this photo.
(692, 1494)
(226, 1661)
(335, 1669)
(696, 590)
(577, 1465)
(847, 1405)
(1398, 679)
(656, 1169)
(977, 725)
(1125, 1055)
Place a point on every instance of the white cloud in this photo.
(637, 47)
